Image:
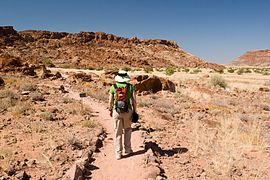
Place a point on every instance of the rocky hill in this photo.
(93, 49)
(253, 58)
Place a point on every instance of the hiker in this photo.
(122, 103)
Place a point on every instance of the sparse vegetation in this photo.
(28, 87)
(148, 69)
(48, 62)
(47, 116)
(219, 70)
(90, 124)
(196, 71)
(231, 70)
(186, 70)
(170, 70)
(37, 96)
(218, 81)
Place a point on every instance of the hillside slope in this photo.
(253, 58)
(94, 49)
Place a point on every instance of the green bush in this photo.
(170, 70)
(48, 62)
(218, 81)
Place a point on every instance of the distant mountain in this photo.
(94, 49)
(253, 58)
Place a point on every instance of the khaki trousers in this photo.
(122, 124)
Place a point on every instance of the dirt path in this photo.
(107, 167)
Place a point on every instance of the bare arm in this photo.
(110, 101)
(134, 101)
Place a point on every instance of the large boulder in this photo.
(154, 84)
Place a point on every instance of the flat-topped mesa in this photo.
(253, 58)
(94, 50)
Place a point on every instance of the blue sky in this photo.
(215, 30)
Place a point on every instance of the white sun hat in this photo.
(122, 76)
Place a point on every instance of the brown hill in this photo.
(94, 49)
(253, 58)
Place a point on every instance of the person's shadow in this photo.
(158, 151)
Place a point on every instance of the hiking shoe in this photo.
(118, 156)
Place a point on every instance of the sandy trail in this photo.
(107, 167)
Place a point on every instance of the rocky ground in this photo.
(190, 128)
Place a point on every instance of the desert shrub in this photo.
(159, 69)
(170, 70)
(186, 70)
(265, 73)
(20, 108)
(126, 68)
(240, 71)
(28, 87)
(101, 94)
(65, 66)
(148, 69)
(230, 70)
(48, 62)
(219, 70)
(47, 116)
(38, 127)
(165, 106)
(145, 102)
(218, 81)
(99, 68)
(90, 68)
(90, 124)
(195, 71)
(7, 99)
(67, 100)
(36, 96)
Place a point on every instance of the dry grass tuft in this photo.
(225, 144)
(90, 124)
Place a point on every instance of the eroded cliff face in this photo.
(253, 58)
(94, 49)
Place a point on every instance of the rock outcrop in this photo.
(94, 50)
(153, 84)
(253, 58)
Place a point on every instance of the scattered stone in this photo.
(22, 176)
(264, 89)
(24, 93)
